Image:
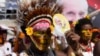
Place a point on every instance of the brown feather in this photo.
(38, 7)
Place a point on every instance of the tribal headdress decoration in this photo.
(33, 10)
(36, 17)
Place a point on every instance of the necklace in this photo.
(86, 48)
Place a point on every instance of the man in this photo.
(37, 24)
(5, 46)
(84, 29)
(73, 9)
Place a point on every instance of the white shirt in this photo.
(6, 49)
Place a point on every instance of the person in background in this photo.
(96, 51)
(73, 10)
(84, 29)
(5, 46)
(73, 44)
(96, 35)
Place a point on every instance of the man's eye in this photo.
(81, 13)
(70, 13)
(83, 31)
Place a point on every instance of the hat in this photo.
(38, 14)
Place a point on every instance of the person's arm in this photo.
(96, 51)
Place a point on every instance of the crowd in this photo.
(51, 28)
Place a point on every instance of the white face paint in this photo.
(74, 9)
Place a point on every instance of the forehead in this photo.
(75, 3)
(87, 26)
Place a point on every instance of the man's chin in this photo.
(42, 47)
(87, 38)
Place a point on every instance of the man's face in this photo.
(74, 10)
(42, 40)
(86, 32)
(39, 32)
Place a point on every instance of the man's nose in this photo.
(89, 32)
(77, 17)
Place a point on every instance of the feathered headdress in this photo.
(32, 10)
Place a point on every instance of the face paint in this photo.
(40, 19)
(87, 31)
(41, 39)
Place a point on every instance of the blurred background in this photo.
(9, 10)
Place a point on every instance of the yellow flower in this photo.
(88, 17)
(29, 31)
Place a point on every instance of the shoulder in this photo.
(97, 49)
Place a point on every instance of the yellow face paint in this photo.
(40, 38)
(87, 34)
